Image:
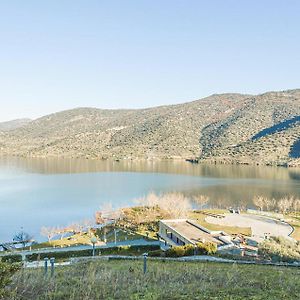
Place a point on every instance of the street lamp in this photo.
(93, 241)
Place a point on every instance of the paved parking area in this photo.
(258, 224)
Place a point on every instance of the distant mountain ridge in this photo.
(13, 124)
(225, 128)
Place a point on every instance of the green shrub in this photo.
(206, 248)
(176, 251)
(189, 250)
(6, 272)
(12, 258)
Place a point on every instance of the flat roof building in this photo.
(181, 232)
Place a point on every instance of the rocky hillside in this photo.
(265, 130)
(14, 124)
(227, 128)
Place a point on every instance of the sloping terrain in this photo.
(226, 128)
(295, 149)
(261, 132)
(14, 124)
(160, 132)
(278, 127)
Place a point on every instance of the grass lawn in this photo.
(164, 280)
(85, 239)
(228, 229)
(122, 235)
(294, 220)
(76, 239)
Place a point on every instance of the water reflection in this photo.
(50, 192)
(68, 165)
(247, 182)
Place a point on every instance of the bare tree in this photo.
(63, 231)
(49, 232)
(87, 224)
(149, 200)
(259, 201)
(296, 205)
(201, 200)
(81, 226)
(273, 204)
(107, 213)
(99, 219)
(175, 204)
(285, 204)
(22, 237)
(75, 227)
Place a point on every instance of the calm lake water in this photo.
(57, 192)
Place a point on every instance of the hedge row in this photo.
(187, 250)
(11, 258)
(122, 250)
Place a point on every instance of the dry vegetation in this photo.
(176, 205)
(226, 125)
(143, 219)
(164, 280)
(280, 249)
(248, 136)
(287, 204)
(159, 132)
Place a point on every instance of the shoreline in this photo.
(193, 160)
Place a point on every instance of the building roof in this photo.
(194, 232)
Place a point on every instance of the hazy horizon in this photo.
(61, 55)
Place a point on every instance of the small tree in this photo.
(22, 237)
(285, 204)
(201, 200)
(87, 224)
(48, 232)
(206, 248)
(296, 205)
(259, 201)
(175, 204)
(99, 217)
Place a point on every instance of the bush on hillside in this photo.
(206, 248)
(176, 251)
(280, 249)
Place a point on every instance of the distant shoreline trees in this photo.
(287, 204)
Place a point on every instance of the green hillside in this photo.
(226, 128)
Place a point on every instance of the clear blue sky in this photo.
(60, 54)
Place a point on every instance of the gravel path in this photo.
(259, 225)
